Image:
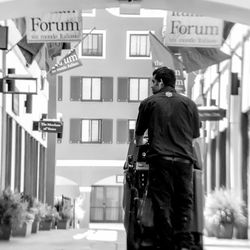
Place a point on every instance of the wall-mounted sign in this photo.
(61, 26)
(51, 126)
(190, 30)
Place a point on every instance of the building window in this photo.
(91, 131)
(91, 89)
(131, 124)
(138, 45)
(131, 129)
(84, 130)
(138, 89)
(93, 45)
(125, 130)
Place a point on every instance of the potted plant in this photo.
(223, 211)
(25, 228)
(12, 212)
(39, 212)
(66, 215)
(49, 218)
(55, 217)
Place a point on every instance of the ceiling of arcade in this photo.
(230, 10)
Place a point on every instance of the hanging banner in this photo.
(61, 26)
(190, 30)
(180, 79)
(68, 62)
(161, 56)
(4, 37)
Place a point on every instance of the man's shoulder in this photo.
(186, 99)
(148, 99)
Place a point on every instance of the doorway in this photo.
(106, 204)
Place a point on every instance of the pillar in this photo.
(234, 146)
(3, 128)
(248, 176)
(51, 148)
(84, 206)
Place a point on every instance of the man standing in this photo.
(172, 121)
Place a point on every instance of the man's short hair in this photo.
(166, 75)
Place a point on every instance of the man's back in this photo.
(172, 125)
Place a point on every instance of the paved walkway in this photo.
(225, 244)
(98, 237)
(72, 239)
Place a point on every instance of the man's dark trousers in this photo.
(171, 190)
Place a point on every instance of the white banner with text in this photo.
(190, 30)
(61, 26)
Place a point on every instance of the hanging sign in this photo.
(51, 126)
(61, 26)
(68, 62)
(190, 30)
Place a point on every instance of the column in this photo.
(234, 146)
(248, 175)
(84, 207)
(51, 149)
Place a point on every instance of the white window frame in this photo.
(103, 32)
(137, 78)
(91, 99)
(128, 57)
(99, 140)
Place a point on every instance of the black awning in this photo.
(211, 113)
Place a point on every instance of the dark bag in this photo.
(145, 211)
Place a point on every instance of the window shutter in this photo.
(59, 88)
(122, 95)
(107, 89)
(75, 130)
(107, 131)
(122, 131)
(75, 88)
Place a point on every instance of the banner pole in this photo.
(86, 35)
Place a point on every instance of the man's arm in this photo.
(139, 140)
(141, 125)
